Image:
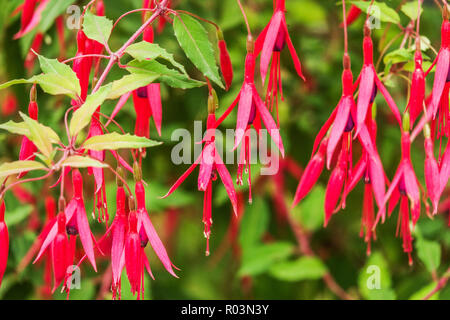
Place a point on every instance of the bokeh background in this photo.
(257, 256)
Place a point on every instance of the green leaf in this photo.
(16, 167)
(97, 28)
(261, 258)
(18, 215)
(374, 279)
(398, 56)
(148, 51)
(16, 81)
(129, 83)
(429, 252)
(58, 75)
(254, 224)
(39, 137)
(386, 13)
(171, 77)
(114, 141)
(82, 162)
(304, 268)
(21, 128)
(411, 9)
(82, 117)
(193, 39)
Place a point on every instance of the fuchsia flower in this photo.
(417, 99)
(76, 222)
(342, 179)
(311, 174)
(251, 106)
(27, 148)
(100, 203)
(60, 252)
(270, 43)
(4, 242)
(432, 177)
(210, 164)
(225, 62)
(442, 63)
(369, 83)
(405, 182)
(31, 16)
(352, 15)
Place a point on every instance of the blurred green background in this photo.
(263, 261)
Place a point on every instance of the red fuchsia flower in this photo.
(4, 242)
(352, 15)
(270, 43)
(9, 105)
(251, 106)
(82, 66)
(225, 62)
(211, 164)
(27, 148)
(416, 101)
(76, 222)
(31, 16)
(147, 231)
(442, 63)
(406, 183)
(311, 174)
(118, 231)
(369, 168)
(59, 252)
(100, 203)
(369, 83)
(432, 178)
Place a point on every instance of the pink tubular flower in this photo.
(100, 203)
(147, 230)
(4, 242)
(369, 83)
(432, 178)
(406, 183)
(335, 186)
(442, 63)
(417, 98)
(251, 106)
(352, 15)
(133, 254)
(31, 16)
(27, 149)
(270, 43)
(311, 174)
(60, 252)
(76, 222)
(210, 164)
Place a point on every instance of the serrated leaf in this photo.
(21, 128)
(193, 39)
(97, 28)
(171, 77)
(82, 117)
(411, 9)
(130, 82)
(429, 252)
(379, 10)
(259, 259)
(305, 268)
(114, 141)
(16, 167)
(82, 162)
(148, 51)
(37, 136)
(59, 75)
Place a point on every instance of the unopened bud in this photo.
(119, 177)
(137, 172)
